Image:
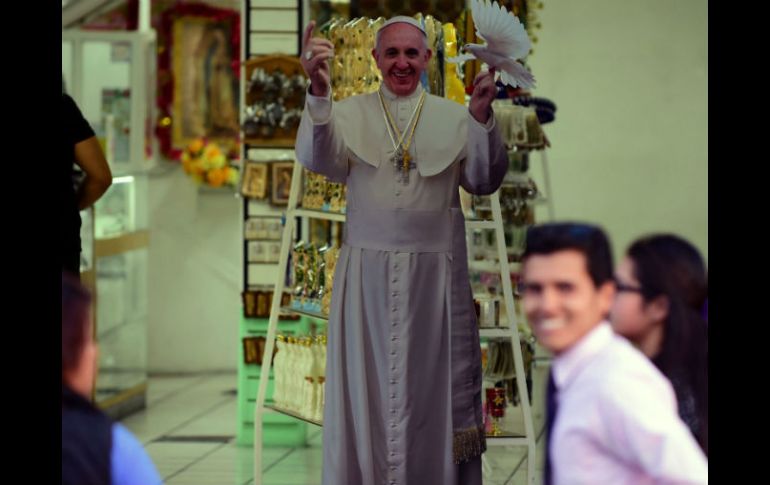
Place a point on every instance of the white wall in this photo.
(630, 140)
(195, 275)
(196, 272)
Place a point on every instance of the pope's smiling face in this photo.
(402, 55)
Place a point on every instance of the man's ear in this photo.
(606, 296)
(429, 54)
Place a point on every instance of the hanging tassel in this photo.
(468, 444)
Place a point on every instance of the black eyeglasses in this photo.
(622, 287)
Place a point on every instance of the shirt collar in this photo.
(387, 94)
(567, 364)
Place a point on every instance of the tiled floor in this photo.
(189, 426)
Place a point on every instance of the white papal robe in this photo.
(403, 372)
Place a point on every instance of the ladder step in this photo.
(492, 266)
(507, 441)
(495, 332)
(479, 224)
(276, 409)
(318, 316)
(329, 216)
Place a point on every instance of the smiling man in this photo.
(403, 372)
(611, 416)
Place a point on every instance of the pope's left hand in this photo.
(484, 92)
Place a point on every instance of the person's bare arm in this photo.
(90, 158)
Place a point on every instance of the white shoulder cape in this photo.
(440, 136)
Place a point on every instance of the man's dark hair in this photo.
(591, 241)
(75, 304)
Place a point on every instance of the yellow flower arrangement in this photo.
(207, 164)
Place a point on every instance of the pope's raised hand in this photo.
(314, 59)
(484, 92)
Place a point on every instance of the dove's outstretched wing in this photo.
(516, 75)
(459, 59)
(503, 32)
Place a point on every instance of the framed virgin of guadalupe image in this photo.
(254, 180)
(281, 173)
(206, 84)
(197, 90)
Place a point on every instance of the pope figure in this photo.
(403, 372)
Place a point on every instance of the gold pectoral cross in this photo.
(397, 159)
(402, 158)
(402, 162)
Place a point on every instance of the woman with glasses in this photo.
(662, 287)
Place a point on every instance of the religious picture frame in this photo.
(198, 77)
(265, 228)
(273, 252)
(319, 231)
(274, 229)
(281, 175)
(254, 180)
(254, 228)
(253, 348)
(256, 252)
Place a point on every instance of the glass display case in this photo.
(120, 266)
(111, 76)
(122, 331)
(116, 210)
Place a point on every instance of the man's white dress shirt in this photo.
(617, 420)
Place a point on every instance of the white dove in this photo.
(506, 42)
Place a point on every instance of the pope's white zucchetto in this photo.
(400, 19)
(403, 19)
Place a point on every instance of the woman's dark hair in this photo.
(75, 304)
(667, 265)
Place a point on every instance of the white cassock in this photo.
(403, 372)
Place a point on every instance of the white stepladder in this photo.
(528, 439)
(292, 212)
(511, 332)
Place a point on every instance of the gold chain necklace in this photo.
(402, 158)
